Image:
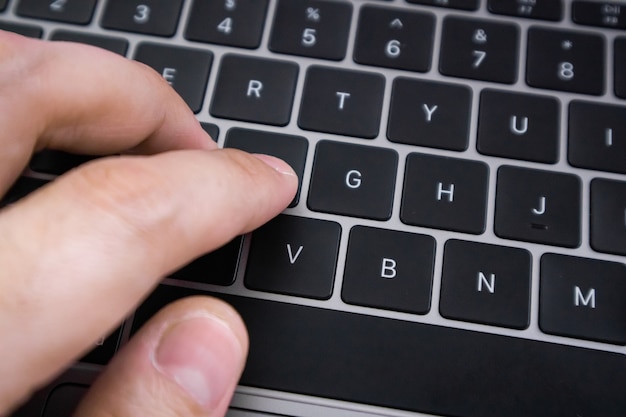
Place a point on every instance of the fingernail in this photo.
(203, 356)
(276, 163)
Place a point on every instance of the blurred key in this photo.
(227, 22)
(620, 67)
(608, 216)
(153, 17)
(69, 11)
(535, 9)
(453, 4)
(57, 162)
(21, 29)
(597, 136)
(113, 44)
(185, 69)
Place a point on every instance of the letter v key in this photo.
(293, 258)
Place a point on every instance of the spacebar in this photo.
(416, 367)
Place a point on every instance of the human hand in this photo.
(79, 254)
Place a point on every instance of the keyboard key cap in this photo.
(620, 67)
(389, 269)
(217, 268)
(255, 90)
(535, 9)
(445, 193)
(609, 14)
(227, 22)
(340, 101)
(395, 39)
(315, 28)
(3, 5)
(64, 400)
(69, 11)
(486, 284)
(597, 136)
(519, 126)
(608, 216)
(153, 17)
(291, 149)
(24, 30)
(353, 180)
(185, 69)
(295, 256)
(479, 49)
(113, 44)
(565, 60)
(104, 349)
(22, 187)
(538, 206)
(583, 298)
(417, 367)
(443, 116)
(453, 4)
(212, 129)
(57, 162)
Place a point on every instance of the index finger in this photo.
(83, 99)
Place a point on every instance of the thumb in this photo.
(185, 361)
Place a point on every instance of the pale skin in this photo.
(97, 240)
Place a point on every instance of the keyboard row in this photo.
(389, 37)
(438, 192)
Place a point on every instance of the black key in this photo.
(486, 284)
(212, 129)
(597, 136)
(428, 113)
(479, 49)
(255, 90)
(22, 187)
(116, 45)
(608, 14)
(538, 206)
(21, 29)
(216, 268)
(608, 216)
(104, 349)
(583, 298)
(3, 5)
(453, 4)
(416, 367)
(344, 102)
(395, 39)
(69, 11)
(315, 28)
(389, 269)
(565, 60)
(519, 126)
(185, 69)
(295, 256)
(227, 22)
(353, 180)
(445, 193)
(291, 149)
(153, 17)
(535, 9)
(64, 399)
(57, 162)
(619, 72)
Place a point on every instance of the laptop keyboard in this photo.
(459, 234)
